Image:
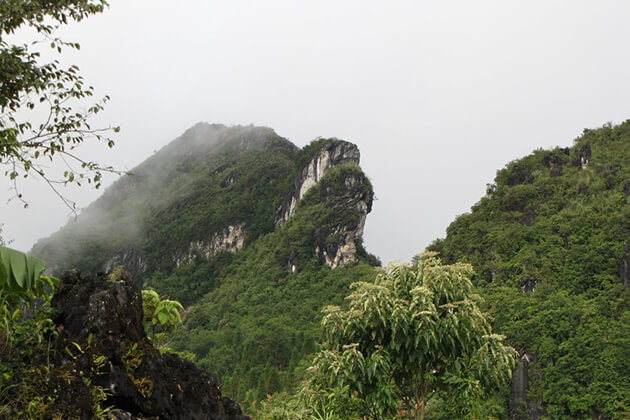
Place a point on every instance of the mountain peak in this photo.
(213, 189)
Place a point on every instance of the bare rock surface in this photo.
(323, 160)
(102, 346)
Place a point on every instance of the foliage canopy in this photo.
(548, 243)
(414, 333)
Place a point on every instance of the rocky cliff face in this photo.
(131, 258)
(103, 350)
(324, 159)
(231, 239)
(335, 245)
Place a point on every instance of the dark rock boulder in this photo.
(104, 359)
(555, 160)
(585, 155)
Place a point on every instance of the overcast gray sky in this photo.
(437, 94)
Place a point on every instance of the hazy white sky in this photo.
(437, 94)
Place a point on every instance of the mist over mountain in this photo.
(204, 169)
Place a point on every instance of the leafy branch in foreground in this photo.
(21, 277)
(49, 93)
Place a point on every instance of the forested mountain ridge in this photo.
(550, 243)
(249, 232)
(213, 189)
(176, 196)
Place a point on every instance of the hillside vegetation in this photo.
(209, 178)
(255, 236)
(550, 245)
(258, 324)
(200, 222)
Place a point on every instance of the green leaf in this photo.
(19, 272)
(162, 317)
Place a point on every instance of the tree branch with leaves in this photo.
(49, 92)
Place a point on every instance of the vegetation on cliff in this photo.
(260, 321)
(549, 243)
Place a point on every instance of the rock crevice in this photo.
(624, 266)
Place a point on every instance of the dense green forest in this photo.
(250, 253)
(255, 328)
(550, 246)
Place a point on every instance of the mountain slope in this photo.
(256, 327)
(251, 233)
(210, 178)
(550, 243)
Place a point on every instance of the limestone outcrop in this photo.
(324, 159)
(337, 245)
(130, 258)
(231, 239)
(347, 194)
